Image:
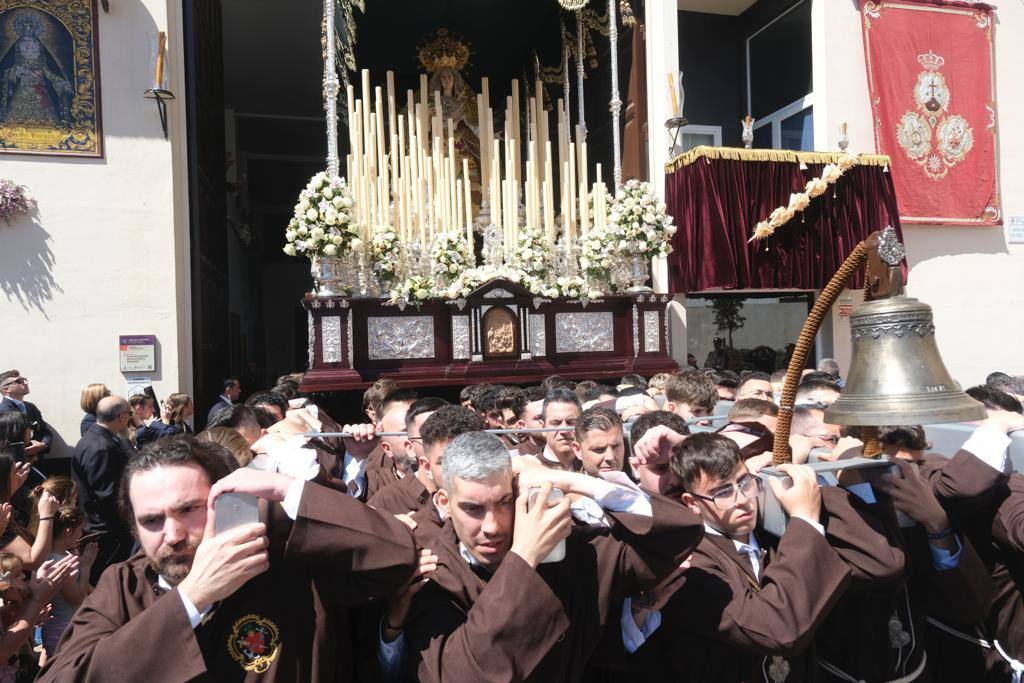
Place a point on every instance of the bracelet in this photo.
(43, 519)
(942, 534)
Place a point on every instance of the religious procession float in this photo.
(458, 241)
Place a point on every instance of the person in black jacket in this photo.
(13, 390)
(96, 466)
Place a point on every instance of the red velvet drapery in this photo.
(717, 201)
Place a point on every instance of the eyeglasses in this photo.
(724, 498)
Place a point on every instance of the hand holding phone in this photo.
(233, 510)
(542, 524)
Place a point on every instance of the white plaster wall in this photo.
(971, 276)
(108, 251)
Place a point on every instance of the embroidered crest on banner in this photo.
(254, 642)
(931, 136)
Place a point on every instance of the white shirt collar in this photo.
(440, 510)
(225, 397)
(467, 556)
(751, 548)
(162, 582)
(354, 472)
(742, 547)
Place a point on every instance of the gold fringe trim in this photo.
(784, 155)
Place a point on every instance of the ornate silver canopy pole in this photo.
(582, 119)
(331, 88)
(615, 105)
(566, 87)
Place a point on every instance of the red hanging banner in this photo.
(931, 78)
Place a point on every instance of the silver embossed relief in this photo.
(396, 337)
(584, 332)
(498, 293)
(330, 349)
(538, 335)
(460, 336)
(311, 339)
(652, 342)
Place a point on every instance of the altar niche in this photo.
(500, 338)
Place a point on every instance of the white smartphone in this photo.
(235, 509)
(558, 554)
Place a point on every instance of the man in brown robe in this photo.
(437, 432)
(494, 610)
(561, 409)
(197, 605)
(412, 491)
(977, 490)
(750, 604)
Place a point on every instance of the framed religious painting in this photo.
(49, 78)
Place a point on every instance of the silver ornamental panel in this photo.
(310, 339)
(460, 336)
(397, 337)
(584, 332)
(330, 349)
(652, 342)
(538, 335)
(498, 293)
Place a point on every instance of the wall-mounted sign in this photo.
(1016, 225)
(137, 352)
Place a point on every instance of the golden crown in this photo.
(444, 52)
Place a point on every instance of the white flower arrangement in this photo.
(385, 254)
(323, 223)
(799, 201)
(597, 253)
(414, 288)
(575, 287)
(533, 254)
(449, 256)
(641, 224)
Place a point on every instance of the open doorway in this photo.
(756, 330)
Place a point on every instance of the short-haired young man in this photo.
(690, 394)
(598, 441)
(436, 432)
(817, 392)
(493, 610)
(750, 604)
(754, 385)
(656, 476)
(231, 389)
(561, 408)
(532, 418)
(225, 605)
(410, 493)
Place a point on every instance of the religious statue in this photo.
(33, 89)
(444, 58)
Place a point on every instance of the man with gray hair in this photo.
(831, 366)
(494, 607)
(96, 466)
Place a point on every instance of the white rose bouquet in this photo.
(414, 289)
(385, 254)
(641, 225)
(323, 223)
(533, 255)
(449, 256)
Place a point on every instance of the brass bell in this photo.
(896, 375)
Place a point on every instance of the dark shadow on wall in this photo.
(26, 264)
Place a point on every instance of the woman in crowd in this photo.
(15, 539)
(177, 409)
(91, 395)
(67, 532)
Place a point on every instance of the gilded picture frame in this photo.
(49, 78)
